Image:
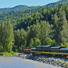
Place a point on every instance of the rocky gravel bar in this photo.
(59, 62)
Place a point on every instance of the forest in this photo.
(41, 26)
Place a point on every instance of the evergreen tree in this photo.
(45, 31)
(56, 30)
(31, 42)
(20, 40)
(23, 39)
(17, 40)
(2, 35)
(60, 28)
(64, 28)
(9, 41)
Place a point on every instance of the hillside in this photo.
(39, 25)
(47, 27)
(16, 16)
(23, 7)
(59, 2)
(17, 13)
(13, 9)
(63, 1)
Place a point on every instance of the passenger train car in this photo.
(49, 50)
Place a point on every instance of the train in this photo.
(48, 50)
(27, 50)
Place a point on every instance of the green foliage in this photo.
(33, 27)
(62, 45)
(20, 40)
(49, 41)
(31, 43)
(66, 45)
(7, 54)
(2, 34)
(45, 30)
(60, 27)
(1, 48)
(54, 43)
(36, 42)
(64, 28)
(7, 37)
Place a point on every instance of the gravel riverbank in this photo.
(39, 64)
(57, 62)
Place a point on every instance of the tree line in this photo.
(48, 27)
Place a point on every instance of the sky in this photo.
(12, 3)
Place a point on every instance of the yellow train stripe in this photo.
(63, 53)
(46, 52)
(37, 51)
(54, 52)
(50, 52)
(40, 52)
(27, 49)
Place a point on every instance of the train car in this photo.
(64, 51)
(36, 50)
(55, 50)
(47, 50)
(43, 49)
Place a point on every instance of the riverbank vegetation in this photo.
(46, 27)
(8, 54)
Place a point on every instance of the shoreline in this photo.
(58, 62)
(19, 61)
(40, 63)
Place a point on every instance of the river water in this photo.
(16, 62)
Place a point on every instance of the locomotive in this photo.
(27, 50)
(48, 50)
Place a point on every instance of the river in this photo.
(16, 62)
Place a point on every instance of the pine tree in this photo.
(60, 28)
(56, 30)
(31, 42)
(2, 35)
(45, 30)
(9, 42)
(64, 28)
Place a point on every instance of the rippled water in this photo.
(16, 62)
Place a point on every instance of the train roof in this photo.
(64, 49)
(38, 46)
(33, 48)
(43, 46)
(55, 47)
